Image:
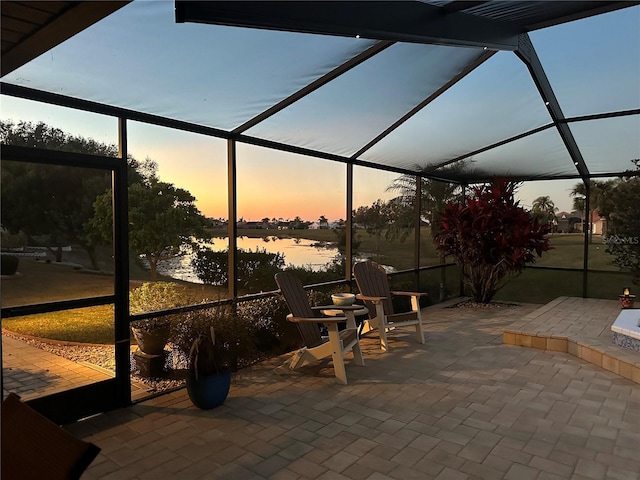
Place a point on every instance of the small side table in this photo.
(351, 312)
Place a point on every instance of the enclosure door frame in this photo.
(76, 403)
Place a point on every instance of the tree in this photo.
(373, 219)
(340, 234)
(163, 219)
(41, 135)
(59, 205)
(298, 224)
(491, 237)
(434, 195)
(624, 239)
(51, 204)
(599, 200)
(401, 219)
(394, 219)
(255, 269)
(544, 210)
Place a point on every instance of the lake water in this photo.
(298, 252)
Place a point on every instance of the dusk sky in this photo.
(593, 65)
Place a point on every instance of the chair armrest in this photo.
(411, 294)
(369, 299)
(325, 320)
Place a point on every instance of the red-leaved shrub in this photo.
(491, 237)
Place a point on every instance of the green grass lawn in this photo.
(40, 282)
(85, 325)
(568, 252)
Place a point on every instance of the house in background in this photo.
(569, 222)
(599, 225)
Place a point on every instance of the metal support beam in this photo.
(120, 192)
(349, 225)
(27, 93)
(233, 215)
(527, 53)
(414, 22)
(586, 228)
(416, 238)
(463, 194)
(323, 80)
(437, 166)
(483, 57)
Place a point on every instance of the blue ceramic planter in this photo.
(208, 391)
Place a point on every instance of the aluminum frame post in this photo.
(586, 228)
(416, 238)
(232, 224)
(348, 253)
(120, 192)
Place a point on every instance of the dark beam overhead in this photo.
(405, 21)
(569, 11)
(460, 5)
(36, 27)
(527, 53)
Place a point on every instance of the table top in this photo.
(338, 311)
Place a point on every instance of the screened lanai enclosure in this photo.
(263, 119)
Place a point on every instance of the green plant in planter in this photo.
(206, 356)
(152, 334)
(209, 376)
(233, 334)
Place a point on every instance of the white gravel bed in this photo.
(100, 355)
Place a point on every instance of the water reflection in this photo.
(299, 252)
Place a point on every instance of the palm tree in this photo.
(599, 199)
(434, 197)
(544, 209)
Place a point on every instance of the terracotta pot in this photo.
(208, 391)
(151, 342)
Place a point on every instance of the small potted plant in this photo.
(152, 334)
(209, 375)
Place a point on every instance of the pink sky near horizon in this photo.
(270, 183)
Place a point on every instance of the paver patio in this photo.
(581, 327)
(462, 406)
(31, 372)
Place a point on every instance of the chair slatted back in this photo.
(298, 303)
(372, 281)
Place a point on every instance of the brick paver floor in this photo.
(581, 327)
(31, 372)
(462, 406)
